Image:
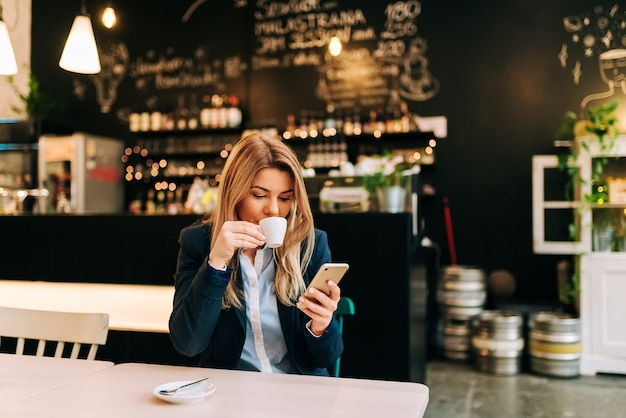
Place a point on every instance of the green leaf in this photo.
(38, 104)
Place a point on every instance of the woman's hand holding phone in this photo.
(322, 296)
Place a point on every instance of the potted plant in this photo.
(603, 229)
(37, 104)
(384, 179)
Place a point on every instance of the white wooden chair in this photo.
(47, 328)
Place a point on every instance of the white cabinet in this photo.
(602, 273)
(603, 312)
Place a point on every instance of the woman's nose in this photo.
(272, 207)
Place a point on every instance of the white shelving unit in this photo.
(602, 274)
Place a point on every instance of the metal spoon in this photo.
(173, 391)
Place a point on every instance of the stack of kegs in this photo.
(498, 341)
(461, 295)
(554, 344)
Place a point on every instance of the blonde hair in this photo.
(252, 153)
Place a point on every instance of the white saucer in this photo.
(193, 394)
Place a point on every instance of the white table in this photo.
(143, 308)
(24, 376)
(125, 390)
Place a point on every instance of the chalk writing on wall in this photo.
(114, 64)
(597, 36)
(380, 64)
(167, 70)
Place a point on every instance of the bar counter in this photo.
(386, 339)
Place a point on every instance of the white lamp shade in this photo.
(80, 54)
(8, 66)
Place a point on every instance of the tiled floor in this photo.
(458, 390)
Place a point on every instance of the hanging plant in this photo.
(599, 126)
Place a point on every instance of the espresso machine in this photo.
(18, 168)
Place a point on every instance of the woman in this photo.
(235, 301)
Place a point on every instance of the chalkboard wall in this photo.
(273, 55)
(495, 69)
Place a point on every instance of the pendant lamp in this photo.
(109, 18)
(334, 46)
(8, 66)
(80, 54)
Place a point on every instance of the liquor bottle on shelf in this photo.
(167, 119)
(330, 123)
(339, 121)
(335, 157)
(397, 121)
(135, 206)
(327, 154)
(133, 121)
(144, 120)
(320, 123)
(150, 207)
(156, 118)
(388, 120)
(309, 156)
(370, 125)
(407, 119)
(380, 126)
(224, 111)
(205, 112)
(175, 204)
(348, 126)
(343, 152)
(216, 106)
(194, 112)
(312, 127)
(235, 116)
(357, 124)
(63, 203)
(290, 127)
(181, 113)
(303, 127)
(318, 155)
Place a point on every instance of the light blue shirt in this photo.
(264, 348)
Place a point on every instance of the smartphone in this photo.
(328, 271)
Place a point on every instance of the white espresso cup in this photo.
(274, 229)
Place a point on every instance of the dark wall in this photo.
(499, 82)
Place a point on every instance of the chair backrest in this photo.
(344, 307)
(50, 328)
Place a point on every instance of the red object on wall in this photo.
(450, 234)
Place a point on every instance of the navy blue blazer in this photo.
(200, 327)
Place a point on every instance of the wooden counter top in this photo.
(143, 308)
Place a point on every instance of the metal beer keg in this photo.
(456, 339)
(462, 291)
(554, 344)
(461, 295)
(497, 342)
